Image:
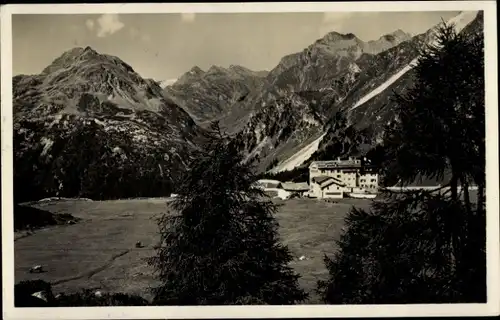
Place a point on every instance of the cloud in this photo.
(108, 24)
(188, 16)
(145, 37)
(90, 24)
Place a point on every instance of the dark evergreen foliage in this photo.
(343, 140)
(272, 164)
(32, 218)
(299, 174)
(221, 245)
(425, 247)
(88, 298)
(24, 290)
(402, 251)
(83, 163)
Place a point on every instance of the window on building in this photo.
(373, 180)
(333, 193)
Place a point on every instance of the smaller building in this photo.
(268, 184)
(273, 188)
(326, 187)
(297, 188)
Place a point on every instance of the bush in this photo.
(24, 290)
(32, 218)
(88, 298)
(401, 252)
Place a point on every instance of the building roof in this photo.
(332, 164)
(295, 186)
(321, 179)
(325, 181)
(268, 181)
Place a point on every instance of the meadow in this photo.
(99, 251)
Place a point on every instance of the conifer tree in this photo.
(425, 246)
(220, 245)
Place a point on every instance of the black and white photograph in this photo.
(248, 158)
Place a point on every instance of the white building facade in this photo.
(349, 176)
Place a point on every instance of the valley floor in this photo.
(99, 252)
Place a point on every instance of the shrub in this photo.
(32, 218)
(88, 298)
(401, 252)
(24, 290)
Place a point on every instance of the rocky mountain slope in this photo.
(90, 126)
(301, 93)
(328, 65)
(320, 64)
(209, 95)
(367, 103)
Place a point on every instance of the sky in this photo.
(163, 46)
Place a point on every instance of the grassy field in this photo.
(99, 252)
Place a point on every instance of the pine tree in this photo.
(221, 244)
(425, 246)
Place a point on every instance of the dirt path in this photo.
(91, 273)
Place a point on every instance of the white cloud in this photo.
(108, 24)
(188, 16)
(90, 24)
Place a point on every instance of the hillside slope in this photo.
(301, 93)
(208, 95)
(90, 126)
(368, 105)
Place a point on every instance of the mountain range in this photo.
(90, 126)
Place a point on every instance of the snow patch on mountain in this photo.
(460, 21)
(300, 157)
(385, 85)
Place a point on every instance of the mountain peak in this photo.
(237, 67)
(89, 49)
(397, 35)
(215, 68)
(69, 57)
(196, 70)
(335, 36)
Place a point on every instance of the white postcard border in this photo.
(204, 312)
